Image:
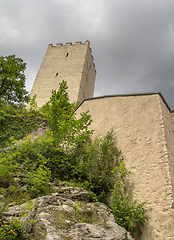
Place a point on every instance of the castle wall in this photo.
(142, 125)
(172, 117)
(65, 62)
(169, 139)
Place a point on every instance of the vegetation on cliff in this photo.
(65, 155)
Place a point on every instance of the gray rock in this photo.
(67, 215)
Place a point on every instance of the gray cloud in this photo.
(132, 41)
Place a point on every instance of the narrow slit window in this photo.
(67, 54)
(56, 74)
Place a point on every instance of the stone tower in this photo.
(72, 63)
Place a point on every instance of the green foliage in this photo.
(99, 162)
(7, 168)
(6, 178)
(67, 153)
(33, 105)
(58, 108)
(36, 174)
(3, 208)
(16, 226)
(12, 80)
(16, 194)
(12, 231)
(129, 214)
(67, 131)
(38, 182)
(17, 122)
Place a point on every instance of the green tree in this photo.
(12, 80)
(68, 131)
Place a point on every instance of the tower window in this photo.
(56, 74)
(67, 54)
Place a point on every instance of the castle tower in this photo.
(72, 63)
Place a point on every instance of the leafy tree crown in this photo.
(12, 80)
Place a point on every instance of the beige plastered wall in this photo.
(72, 63)
(172, 117)
(88, 77)
(142, 126)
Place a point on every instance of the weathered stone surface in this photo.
(68, 214)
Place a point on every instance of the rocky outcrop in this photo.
(68, 214)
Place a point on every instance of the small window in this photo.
(67, 54)
(56, 74)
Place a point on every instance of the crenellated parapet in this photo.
(70, 44)
(78, 43)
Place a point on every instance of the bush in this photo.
(129, 214)
(38, 182)
(3, 208)
(12, 231)
(98, 164)
(17, 122)
(6, 170)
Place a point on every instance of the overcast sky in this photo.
(132, 41)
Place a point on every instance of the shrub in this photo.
(38, 182)
(6, 170)
(13, 230)
(3, 208)
(129, 214)
(98, 164)
(17, 122)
